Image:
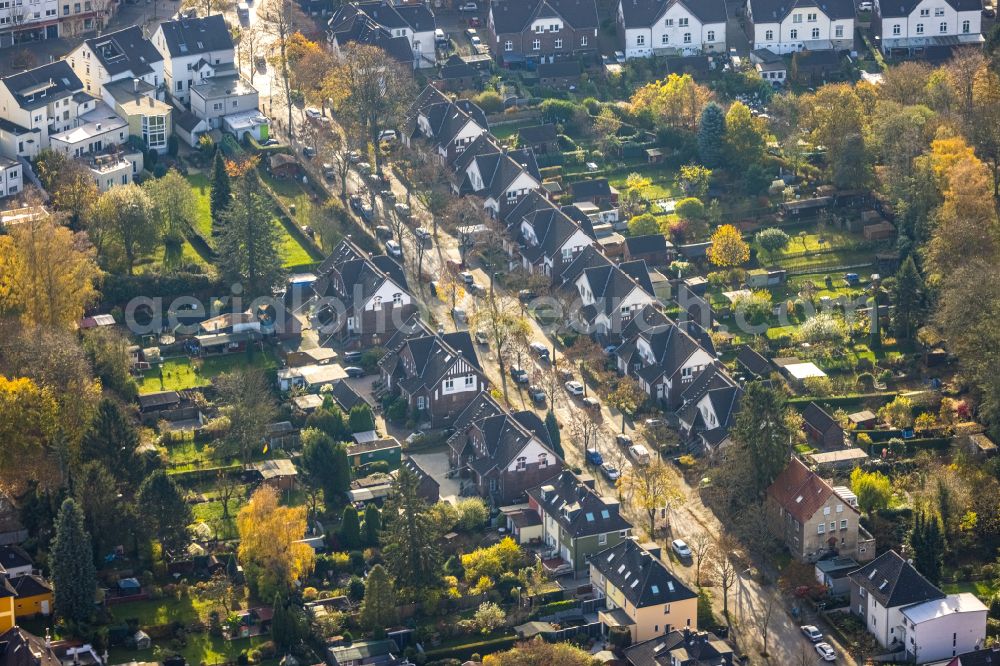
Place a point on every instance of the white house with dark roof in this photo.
(611, 294)
(448, 126)
(907, 27)
(907, 614)
(114, 56)
(193, 49)
(671, 27)
(787, 26)
(404, 31)
(548, 239)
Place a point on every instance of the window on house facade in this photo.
(558, 43)
(669, 23)
(687, 37)
(711, 35)
(543, 460)
(665, 39)
(796, 18)
(838, 31)
(811, 18)
(470, 381)
(449, 384)
(821, 528)
(943, 27)
(769, 35)
(508, 45)
(925, 12)
(522, 463)
(602, 539)
(397, 298)
(539, 28)
(377, 303)
(920, 28)
(640, 40)
(965, 27)
(154, 131)
(843, 524)
(939, 11)
(682, 22)
(815, 33)
(794, 34)
(896, 29)
(583, 40)
(554, 27)
(421, 402)
(536, 44)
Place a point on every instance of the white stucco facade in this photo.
(805, 28)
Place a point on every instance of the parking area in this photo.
(436, 464)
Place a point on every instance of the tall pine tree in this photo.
(349, 534)
(908, 297)
(927, 542)
(249, 242)
(410, 538)
(221, 189)
(552, 426)
(112, 440)
(378, 610)
(166, 513)
(73, 574)
(711, 135)
(373, 525)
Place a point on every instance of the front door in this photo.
(52, 32)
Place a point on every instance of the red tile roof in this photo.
(800, 491)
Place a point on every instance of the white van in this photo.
(243, 10)
(440, 38)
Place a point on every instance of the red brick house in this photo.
(530, 32)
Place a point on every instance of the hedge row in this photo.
(465, 651)
(556, 606)
(266, 150)
(842, 400)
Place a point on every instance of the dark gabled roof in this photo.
(535, 425)
(29, 585)
(774, 11)
(418, 17)
(125, 50)
(190, 36)
(552, 228)
(816, 417)
(893, 581)
(589, 258)
(427, 97)
(359, 28)
(418, 471)
(516, 15)
(159, 399)
(21, 648)
(534, 200)
(536, 134)
(345, 397)
(753, 362)
(705, 648)
(578, 509)
(504, 436)
(343, 252)
(644, 13)
(609, 283)
(558, 69)
(903, 8)
(456, 68)
(482, 406)
(587, 189)
(13, 557)
(641, 577)
(638, 271)
(434, 355)
(56, 80)
(578, 216)
(350, 276)
(986, 657)
(647, 244)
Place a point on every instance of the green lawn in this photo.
(200, 649)
(201, 191)
(983, 589)
(184, 373)
(662, 181)
(292, 252)
(293, 194)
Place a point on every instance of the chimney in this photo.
(135, 85)
(98, 125)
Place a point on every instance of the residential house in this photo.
(190, 48)
(814, 520)
(548, 239)
(11, 177)
(909, 27)
(21, 648)
(382, 449)
(654, 249)
(576, 521)
(709, 406)
(595, 190)
(427, 485)
(834, 575)
(671, 27)
(816, 67)
(611, 294)
(504, 454)
(437, 375)
(540, 138)
(34, 596)
(345, 396)
(501, 177)
(14, 561)
(448, 126)
(784, 26)
(361, 653)
(22, 24)
(822, 429)
(771, 66)
(123, 55)
(222, 93)
(682, 647)
(662, 356)
(39, 102)
(908, 615)
(100, 139)
(456, 75)
(404, 31)
(147, 117)
(640, 593)
(529, 32)
(361, 299)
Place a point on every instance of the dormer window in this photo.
(397, 298)
(522, 464)
(377, 303)
(543, 460)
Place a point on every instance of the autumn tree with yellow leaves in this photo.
(676, 101)
(270, 548)
(28, 418)
(728, 247)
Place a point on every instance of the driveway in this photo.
(435, 463)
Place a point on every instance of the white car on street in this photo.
(825, 652)
(681, 549)
(574, 387)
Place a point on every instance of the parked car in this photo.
(482, 339)
(309, 152)
(610, 472)
(458, 314)
(382, 231)
(355, 203)
(328, 172)
(865, 6)
(681, 549)
(565, 374)
(574, 387)
(590, 402)
(825, 652)
(610, 350)
(536, 394)
(364, 167)
(434, 288)
(476, 42)
(393, 249)
(355, 371)
(367, 211)
(622, 439)
(414, 437)
(520, 375)
(540, 350)
(313, 113)
(653, 424)
(402, 210)
(639, 453)
(525, 295)
(388, 195)
(811, 632)
(352, 356)
(471, 32)
(422, 234)
(387, 135)
(620, 57)
(467, 277)
(353, 156)
(468, 7)
(441, 38)
(594, 457)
